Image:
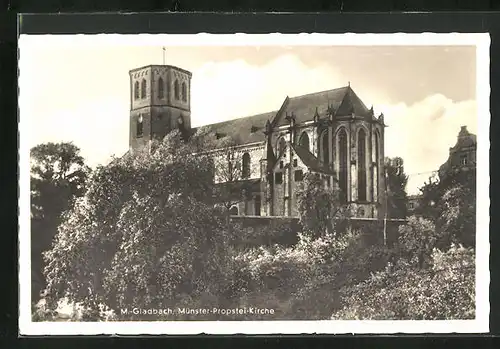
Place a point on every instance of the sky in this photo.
(81, 93)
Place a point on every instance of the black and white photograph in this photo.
(298, 183)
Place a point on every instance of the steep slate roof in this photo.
(343, 101)
(244, 130)
(250, 129)
(311, 162)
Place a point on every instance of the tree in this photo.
(58, 177)
(430, 195)
(451, 204)
(397, 197)
(145, 235)
(457, 221)
(319, 205)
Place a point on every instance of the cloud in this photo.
(422, 133)
(100, 129)
(95, 116)
(237, 88)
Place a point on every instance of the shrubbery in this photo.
(445, 290)
(148, 234)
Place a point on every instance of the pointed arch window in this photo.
(143, 88)
(362, 165)
(136, 90)
(377, 154)
(161, 88)
(246, 165)
(184, 91)
(139, 126)
(343, 163)
(176, 89)
(325, 149)
(304, 140)
(281, 146)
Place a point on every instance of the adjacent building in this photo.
(462, 156)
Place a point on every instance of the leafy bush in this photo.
(404, 292)
(417, 240)
(303, 280)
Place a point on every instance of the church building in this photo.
(330, 133)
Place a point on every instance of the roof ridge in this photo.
(320, 92)
(238, 118)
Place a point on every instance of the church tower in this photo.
(160, 101)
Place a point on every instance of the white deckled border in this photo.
(479, 325)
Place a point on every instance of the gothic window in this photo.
(176, 89)
(343, 163)
(161, 88)
(281, 146)
(143, 88)
(184, 92)
(278, 178)
(304, 140)
(361, 165)
(325, 148)
(136, 90)
(246, 165)
(299, 175)
(139, 127)
(377, 154)
(377, 149)
(295, 163)
(257, 205)
(233, 211)
(281, 164)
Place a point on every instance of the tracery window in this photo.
(246, 165)
(362, 165)
(304, 141)
(325, 146)
(343, 163)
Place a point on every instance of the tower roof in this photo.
(166, 66)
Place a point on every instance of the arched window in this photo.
(377, 155)
(304, 141)
(184, 92)
(343, 163)
(139, 126)
(281, 146)
(361, 165)
(257, 205)
(246, 165)
(176, 89)
(377, 148)
(136, 90)
(233, 211)
(161, 88)
(325, 149)
(143, 88)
